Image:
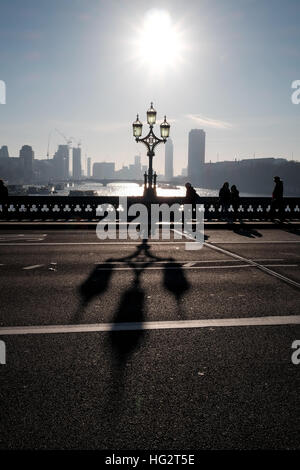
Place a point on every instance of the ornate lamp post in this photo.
(151, 141)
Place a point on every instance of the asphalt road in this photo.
(210, 386)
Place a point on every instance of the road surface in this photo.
(131, 345)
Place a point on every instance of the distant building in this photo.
(104, 170)
(131, 172)
(76, 163)
(4, 152)
(61, 162)
(42, 170)
(27, 156)
(196, 154)
(89, 167)
(137, 168)
(12, 170)
(169, 159)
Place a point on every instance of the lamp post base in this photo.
(150, 192)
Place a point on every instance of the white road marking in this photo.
(190, 264)
(157, 268)
(150, 243)
(188, 261)
(33, 266)
(262, 267)
(154, 325)
(249, 261)
(137, 242)
(254, 242)
(28, 238)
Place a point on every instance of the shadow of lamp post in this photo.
(151, 141)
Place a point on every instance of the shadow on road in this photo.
(287, 227)
(95, 285)
(246, 231)
(122, 343)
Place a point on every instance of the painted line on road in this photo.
(249, 261)
(154, 325)
(93, 243)
(33, 266)
(188, 261)
(254, 242)
(158, 268)
(262, 267)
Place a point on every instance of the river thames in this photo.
(134, 189)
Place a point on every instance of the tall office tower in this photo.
(89, 167)
(4, 152)
(61, 162)
(169, 159)
(27, 155)
(76, 160)
(196, 157)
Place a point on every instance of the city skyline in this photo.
(236, 63)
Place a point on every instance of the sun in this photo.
(158, 43)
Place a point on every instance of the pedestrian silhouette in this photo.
(225, 198)
(277, 198)
(3, 191)
(3, 197)
(191, 197)
(235, 199)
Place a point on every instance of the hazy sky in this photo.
(86, 67)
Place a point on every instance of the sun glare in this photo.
(158, 44)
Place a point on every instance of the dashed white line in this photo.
(33, 266)
(154, 325)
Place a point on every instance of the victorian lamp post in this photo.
(151, 141)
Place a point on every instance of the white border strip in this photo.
(155, 325)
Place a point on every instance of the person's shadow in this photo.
(288, 227)
(246, 231)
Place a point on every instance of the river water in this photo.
(130, 189)
(133, 189)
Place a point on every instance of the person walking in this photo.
(3, 197)
(3, 191)
(277, 198)
(224, 198)
(235, 200)
(191, 197)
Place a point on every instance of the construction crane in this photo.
(69, 141)
(49, 137)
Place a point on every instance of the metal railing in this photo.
(85, 207)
